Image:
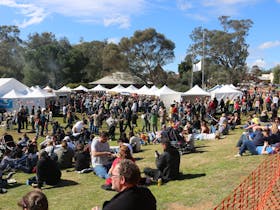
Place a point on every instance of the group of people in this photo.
(122, 175)
(83, 141)
(125, 178)
(259, 139)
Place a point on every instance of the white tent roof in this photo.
(7, 84)
(168, 96)
(13, 94)
(64, 89)
(98, 88)
(118, 89)
(131, 89)
(154, 88)
(48, 88)
(232, 86)
(39, 93)
(227, 91)
(196, 91)
(216, 87)
(165, 91)
(81, 88)
(144, 90)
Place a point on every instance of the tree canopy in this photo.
(225, 49)
(43, 59)
(145, 51)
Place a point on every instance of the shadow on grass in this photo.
(143, 150)
(14, 185)
(199, 149)
(138, 158)
(189, 176)
(62, 183)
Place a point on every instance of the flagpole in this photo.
(192, 70)
(202, 73)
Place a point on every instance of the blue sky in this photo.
(114, 19)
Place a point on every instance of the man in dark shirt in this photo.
(168, 163)
(47, 170)
(125, 177)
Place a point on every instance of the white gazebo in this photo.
(195, 92)
(80, 88)
(168, 96)
(98, 88)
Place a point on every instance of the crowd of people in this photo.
(82, 142)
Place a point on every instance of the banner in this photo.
(197, 67)
(6, 103)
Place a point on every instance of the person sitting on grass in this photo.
(135, 142)
(101, 155)
(125, 178)
(257, 149)
(65, 155)
(82, 159)
(261, 150)
(47, 171)
(124, 153)
(34, 200)
(168, 163)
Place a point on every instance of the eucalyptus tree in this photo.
(113, 59)
(11, 52)
(226, 48)
(93, 52)
(51, 61)
(276, 74)
(145, 51)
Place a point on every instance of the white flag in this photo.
(197, 67)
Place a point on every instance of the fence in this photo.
(259, 191)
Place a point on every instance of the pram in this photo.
(179, 142)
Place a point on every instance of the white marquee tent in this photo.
(118, 89)
(34, 97)
(196, 91)
(168, 96)
(131, 89)
(8, 84)
(227, 91)
(144, 90)
(80, 88)
(98, 88)
(154, 88)
(63, 89)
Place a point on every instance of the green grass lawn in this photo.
(209, 175)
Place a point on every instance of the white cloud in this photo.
(228, 2)
(33, 13)
(114, 40)
(226, 7)
(184, 4)
(204, 10)
(269, 44)
(122, 21)
(260, 63)
(108, 12)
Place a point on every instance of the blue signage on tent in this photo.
(6, 103)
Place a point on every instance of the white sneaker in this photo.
(3, 190)
(9, 176)
(237, 155)
(11, 181)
